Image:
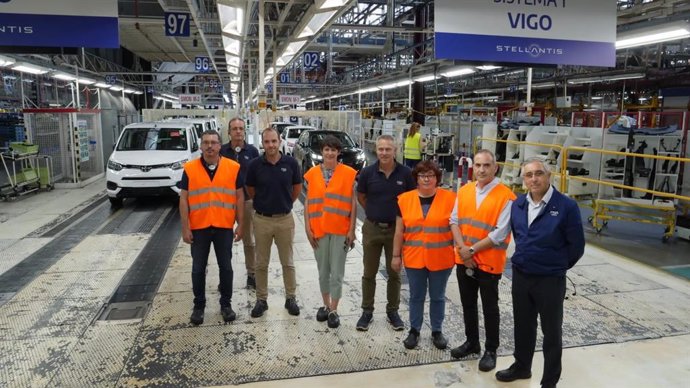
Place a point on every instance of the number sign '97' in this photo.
(176, 24)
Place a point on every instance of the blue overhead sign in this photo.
(176, 24)
(70, 23)
(556, 32)
(311, 60)
(202, 64)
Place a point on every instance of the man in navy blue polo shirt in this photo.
(241, 152)
(378, 188)
(274, 181)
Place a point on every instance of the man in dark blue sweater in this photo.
(549, 240)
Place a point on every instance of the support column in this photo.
(417, 87)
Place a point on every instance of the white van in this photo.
(148, 159)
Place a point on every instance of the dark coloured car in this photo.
(307, 150)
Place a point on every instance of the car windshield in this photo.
(161, 139)
(294, 132)
(342, 136)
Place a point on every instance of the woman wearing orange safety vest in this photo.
(424, 244)
(329, 220)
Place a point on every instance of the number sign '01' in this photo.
(176, 24)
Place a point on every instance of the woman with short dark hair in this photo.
(424, 244)
(329, 219)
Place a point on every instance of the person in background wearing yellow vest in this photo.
(414, 144)
(329, 220)
(480, 223)
(423, 242)
(211, 200)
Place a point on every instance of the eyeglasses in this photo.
(426, 176)
(209, 142)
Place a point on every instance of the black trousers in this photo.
(539, 295)
(221, 238)
(485, 284)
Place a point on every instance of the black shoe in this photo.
(259, 308)
(440, 342)
(465, 350)
(197, 317)
(512, 373)
(395, 321)
(364, 321)
(228, 314)
(322, 314)
(291, 306)
(251, 281)
(412, 339)
(488, 361)
(333, 320)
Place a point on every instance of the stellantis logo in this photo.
(533, 50)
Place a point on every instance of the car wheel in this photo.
(115, 202)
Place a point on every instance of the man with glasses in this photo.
(241, 152)
(211, 200)
(481, 230)
(378, 188)
(549, 240)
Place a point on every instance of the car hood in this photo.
(148, 158)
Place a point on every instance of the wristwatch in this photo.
(472, 250)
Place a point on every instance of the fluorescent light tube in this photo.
(31, 69)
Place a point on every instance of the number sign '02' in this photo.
(176, 24)
(311, 60)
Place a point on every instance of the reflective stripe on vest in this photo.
(329, 207)
(475, 224)
(427, 241)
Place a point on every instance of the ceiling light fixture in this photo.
(651, 35)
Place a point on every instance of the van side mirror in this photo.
(195, 146)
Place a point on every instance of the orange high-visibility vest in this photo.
(427, 241)
(475, 224)
(212, 202)
(329, 207)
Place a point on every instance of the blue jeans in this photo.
(201, 246)
(436, 281)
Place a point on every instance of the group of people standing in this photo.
(417, 224)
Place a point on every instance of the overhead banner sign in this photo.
(287, 99)
(190, 99)
(557, 32)
(67, 23)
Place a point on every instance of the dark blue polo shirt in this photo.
(273, 183)
(382, 193)
(183, 184)
(246, 154)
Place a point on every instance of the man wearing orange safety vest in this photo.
(329, 219)
(211, 200)
(480, 224)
